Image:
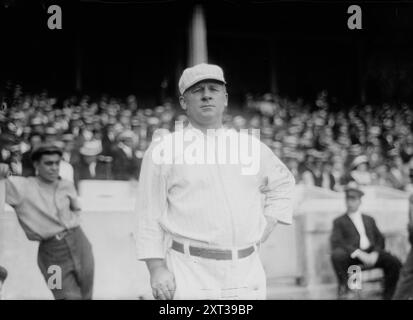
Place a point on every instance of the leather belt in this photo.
(62, 234)
(216, 254)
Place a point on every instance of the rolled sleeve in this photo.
(15, 190)
(150, 206)
(279, 190)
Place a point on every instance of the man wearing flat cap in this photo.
(356, 240)
(201, 220)
(49, 212)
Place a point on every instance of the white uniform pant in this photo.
(204, 279)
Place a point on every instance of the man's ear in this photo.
(36, 165)
(182, 102)
(226, 102)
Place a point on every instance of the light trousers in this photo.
(208, 279)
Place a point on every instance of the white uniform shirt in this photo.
(209, 203)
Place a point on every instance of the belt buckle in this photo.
(235, 254)
(60, 235)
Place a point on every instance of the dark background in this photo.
(124, 48)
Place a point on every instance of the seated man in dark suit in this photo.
(404, 290)
(356, 240)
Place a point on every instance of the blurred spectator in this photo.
(293, 129)
(398, 173)
(15, 160)
(66, 170)
(92, 165)
(319, 172)
(360, 172)
(292, 164)
(126, 164)
(381, 176)
(70, 153)
(50, 135)
(35, 140)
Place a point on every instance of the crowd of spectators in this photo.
(106, 138)
(372, 145)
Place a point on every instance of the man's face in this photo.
(69, 146)
(128, 142)
(49, 139)
(48, 167)
(35, 141)
(362, 167)
(205, 102)
(353, 202)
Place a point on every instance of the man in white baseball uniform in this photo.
(208, 197)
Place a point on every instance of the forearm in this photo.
(271, 223)
(162, 280)
(155, 263)
(269, 228)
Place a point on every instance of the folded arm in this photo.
(278, 189)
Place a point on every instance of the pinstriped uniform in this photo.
(210, 205)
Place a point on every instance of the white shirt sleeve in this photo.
(150, 206)
(279, 191)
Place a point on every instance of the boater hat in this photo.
(198, 73)
(91, 148)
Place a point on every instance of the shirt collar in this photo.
(355, 214)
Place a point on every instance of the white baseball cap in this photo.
(200, 72)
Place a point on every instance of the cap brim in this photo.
(203, 78)
(354, 191)
(90, 153)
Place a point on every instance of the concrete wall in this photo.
(295, 252)
(108, 221)
(118, 275)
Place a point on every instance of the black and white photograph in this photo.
(206, 150)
